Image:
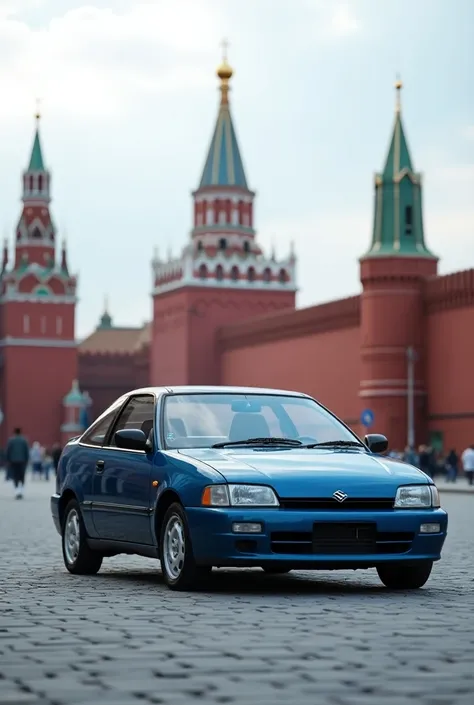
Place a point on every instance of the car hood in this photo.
(311, 472)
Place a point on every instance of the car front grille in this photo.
(329, 503)
(348, 538)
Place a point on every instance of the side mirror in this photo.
(130, 439)
(376, 442)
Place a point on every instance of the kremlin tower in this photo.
(222, 275)
(37, 307)
(393, 275)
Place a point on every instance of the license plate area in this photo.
(345, 537)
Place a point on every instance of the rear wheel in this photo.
(178, 566)
(78, 557)
(405, 577)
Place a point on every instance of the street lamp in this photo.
(411, 359)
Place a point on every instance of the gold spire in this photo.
(224, 72)
(398, 88)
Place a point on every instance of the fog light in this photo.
(246, 528)
(430, 528)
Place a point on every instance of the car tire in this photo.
(405, 577)
(78, 557)
(178, 566)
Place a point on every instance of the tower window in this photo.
(199, 245)
(26, 323)
(408, 220)
(222, 243)
(40, 182)
(267, 275)
(43, 324)
(203, 271)
(31, 183)
(246, 246)
(234, 273)
(283, 277)
(219, 272)
(36, 234)
(59, 325)
(251, 274)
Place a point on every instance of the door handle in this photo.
(99, 466)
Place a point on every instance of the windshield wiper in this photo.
(331, 444)
(271, 441)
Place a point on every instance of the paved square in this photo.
(307, 638)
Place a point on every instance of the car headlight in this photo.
(239, 496)
(417, 497)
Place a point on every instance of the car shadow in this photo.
(256, 582)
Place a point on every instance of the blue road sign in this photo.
(367, 418)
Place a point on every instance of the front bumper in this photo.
(55, 512)
(287, 537)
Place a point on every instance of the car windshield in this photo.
(207, 420)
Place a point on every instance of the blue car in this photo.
(203, 477)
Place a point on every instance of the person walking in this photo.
(56, 454)
(468, 464)
(451, 464)
(36, 459)
(17, 455)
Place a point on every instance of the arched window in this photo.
(267, 275)
(36, 234)
(222, 243)
(283, 276)
(203, 271)
(219, 273)
(40, 182)
(199, 245)
(246, 246)
(31, 183)
(234, 273)
(251, 274)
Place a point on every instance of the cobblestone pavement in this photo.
(317, 638)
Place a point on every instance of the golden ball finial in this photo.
(224, 71)
(398, 84)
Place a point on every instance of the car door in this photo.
(88, 453)
(122, 480)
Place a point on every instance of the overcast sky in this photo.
(129, 98)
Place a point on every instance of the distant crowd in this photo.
(19, 456)
(435, 463)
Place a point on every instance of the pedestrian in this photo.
(468, 463)
(424, 460)
(36, 459)
(56, 454)
(47, 464)
(410, 456)
(452, 465)
(17, 455)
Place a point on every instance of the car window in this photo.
(95, 436)
(200, 420)
(139, 413)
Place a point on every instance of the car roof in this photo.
(216, 389)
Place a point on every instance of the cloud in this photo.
(344, 22)
(90, 62)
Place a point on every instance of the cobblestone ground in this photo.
(121, 637)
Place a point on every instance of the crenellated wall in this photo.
(449, 321)
(106, 376)
(314, 350)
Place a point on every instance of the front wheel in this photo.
(178, 566)
(405, 577)
(78, 557)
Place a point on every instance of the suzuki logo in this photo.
(339, 495)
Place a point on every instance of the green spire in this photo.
(36, 159)
(398, 218)
(106, 318)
